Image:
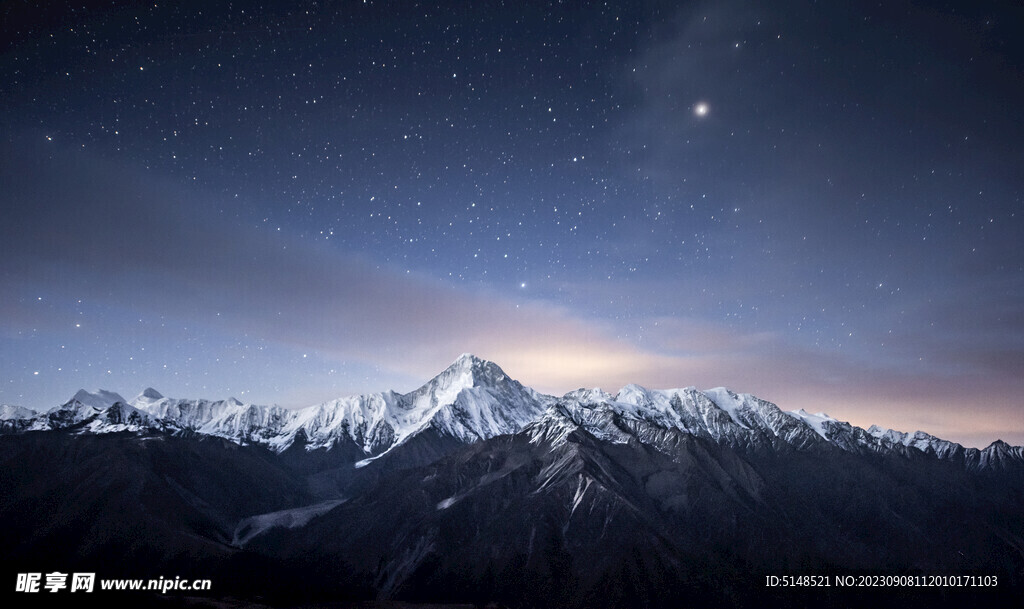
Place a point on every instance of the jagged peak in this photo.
(478, 370)
(631, 389)
(468, 360)
(589, 396)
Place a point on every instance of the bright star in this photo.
(701, 109)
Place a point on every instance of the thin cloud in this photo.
(143, 247)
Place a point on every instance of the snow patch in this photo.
(253, 526)
(728, 401)
(817, 422)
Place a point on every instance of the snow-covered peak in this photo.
(83, 406)
(466, 359)
(818, 422)
(656, 415)
(100, 398)
(467, 371)
(230, 418)
(367, 420)
(10, 411)
(473, 399)
(728, 401)
(149, 394)
(919, 440)
(634, 394)
(588, 396)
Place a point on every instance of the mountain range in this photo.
(476, 489)
(474, 399)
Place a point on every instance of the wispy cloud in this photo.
(142, 246)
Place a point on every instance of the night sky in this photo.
(817, 203)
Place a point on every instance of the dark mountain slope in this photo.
(135, 504)
(588, 523)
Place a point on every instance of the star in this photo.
(410, 158)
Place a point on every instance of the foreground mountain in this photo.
(552, 518)
(474, 488)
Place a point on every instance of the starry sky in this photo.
(819, 203)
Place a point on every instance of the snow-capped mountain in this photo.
(10, 411)
(100, 398)
(470, 400)
(15, 418)
(473, 399)
(230, 418)
(741, 421)
(719, 415)
(476, 484)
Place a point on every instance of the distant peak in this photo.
(10, 411)
(100, 398)
(151, 393)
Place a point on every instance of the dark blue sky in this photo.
(819, 203)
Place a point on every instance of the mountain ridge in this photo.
(473, 399)
(477, 489)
